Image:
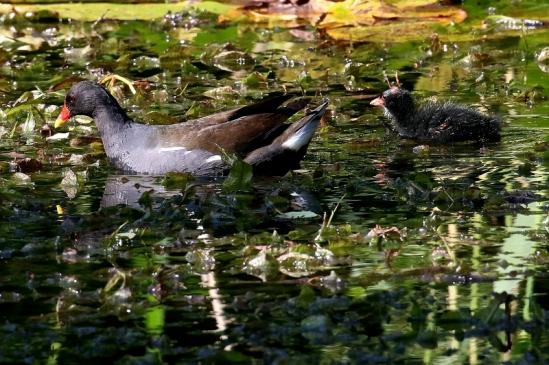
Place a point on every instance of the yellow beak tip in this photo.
(59, 122)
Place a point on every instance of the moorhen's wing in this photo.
(268, 105)
(245, 133)
(236, 135)
(249, 131)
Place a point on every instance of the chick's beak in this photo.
(63, 117)
(378, 101)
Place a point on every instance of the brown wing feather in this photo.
(238, 130)
(233, 136)
(269, 105)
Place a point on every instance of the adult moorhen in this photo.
(256, 132)
(436, 122)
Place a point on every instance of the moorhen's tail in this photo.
(287, 149)
(287, 111)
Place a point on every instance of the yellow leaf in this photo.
(357, 20)
(94, 11)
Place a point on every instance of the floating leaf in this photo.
(76, 159)
(500, 23)
(46, 130)
(144, 64)
(27, 128)
(119, 277)
(29, 165)
(145, 200)
(316, 327)
(543, 59)
(422, 150)
(297, 264)
(543, 56)
(240, 177)
(220, 92)
(173, 180)
(69, 184)
(298, 215)
(94, 11)
(126, 235)
(352, 20)
(427, 339)
(78, 55)
(83, 141)
(233, 60)
(377, 233)
(306, 297)
(21, 179)
(58, 137)
(202, 260)
(255, 79)
(263, 265)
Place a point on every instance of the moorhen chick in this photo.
(256, 132)
(436, 122)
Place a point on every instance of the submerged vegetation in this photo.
(378, 250)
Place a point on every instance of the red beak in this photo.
(63, 117)
(378, 101)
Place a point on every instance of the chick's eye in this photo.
(69, 99)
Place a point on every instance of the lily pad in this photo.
(298, 215)
(58, 137)
(240, 177)
(351, 20)
(94, 11)
(69, 184)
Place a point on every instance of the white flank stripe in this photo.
(214, 158)
(169, 149)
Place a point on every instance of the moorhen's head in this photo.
(397, 102)
(83, 98)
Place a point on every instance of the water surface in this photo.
(92, 270)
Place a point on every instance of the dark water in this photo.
(197, 273)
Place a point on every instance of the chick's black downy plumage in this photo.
(436, 122)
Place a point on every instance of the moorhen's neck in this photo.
(108, 114)
(114, 126)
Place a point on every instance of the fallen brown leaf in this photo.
(29, 165)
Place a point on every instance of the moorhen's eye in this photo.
(69, 99)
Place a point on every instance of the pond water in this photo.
(433, 255)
